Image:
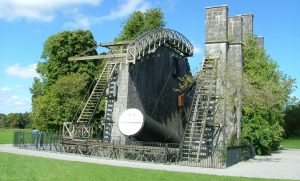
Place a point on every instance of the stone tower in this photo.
(224, 41)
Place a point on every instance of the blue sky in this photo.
(26, 24)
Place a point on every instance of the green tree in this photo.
(37, 87)
(57, 49)
(292, 120)
(139, 22)
(265, 93)
(60, 103)
(2, 120)
(18, 120)
(56, 94)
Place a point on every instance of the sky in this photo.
(26, 24)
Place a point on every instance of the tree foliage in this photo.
(2, 120)
(292, 120)
(60, 103)
(57, 49)
(15, 120)
(139, 22)
(265, 92)
(56, 95)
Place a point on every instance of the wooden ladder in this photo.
(202, 113)
(97, 94)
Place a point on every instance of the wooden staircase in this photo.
(99, 91)
(198, 138)
(81, 127)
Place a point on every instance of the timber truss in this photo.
(146, 43)
(72, 130)
(149, 41)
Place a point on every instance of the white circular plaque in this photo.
(131, 122)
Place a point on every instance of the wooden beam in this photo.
(98, 57)
(119, 43)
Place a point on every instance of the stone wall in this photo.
(120, 103)
(224, 40)
(235, 30)
(247, 25)
(216, 24)
(260, 41)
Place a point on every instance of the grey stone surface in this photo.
(219, 52)
(224, 38)
(234, 86)
(260, 41)
(120, 103)
(235, 29)
(247, 25)
(216, 24)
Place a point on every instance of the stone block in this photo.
(247, 25)
(216, 21)
(235, 29)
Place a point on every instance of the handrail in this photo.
(197, 80)
(85, 98)
(110, 76)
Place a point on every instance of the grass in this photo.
(19, 167)
(7, 135)
(293, 142)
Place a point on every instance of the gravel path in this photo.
(284, 164)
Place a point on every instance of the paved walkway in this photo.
(284, 164)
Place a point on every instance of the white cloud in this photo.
(197, 49)
(167, 4)
(40, 10)
(124, 9)
(11, 103)
(15, 104)
(78, 20)
(22, 72)
(47, 10)
(4, 90)
(18, 101)
(18, 86)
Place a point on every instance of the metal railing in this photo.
(40, 141)
(239, 153)
(87, 94)
(153, 152)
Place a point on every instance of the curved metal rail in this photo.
(149, 41)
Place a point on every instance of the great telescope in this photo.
(134, 123)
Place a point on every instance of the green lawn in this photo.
(6, 135)
(17, 167)
(291, 143)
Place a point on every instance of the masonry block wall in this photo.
(120, 103)
(224, 40)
